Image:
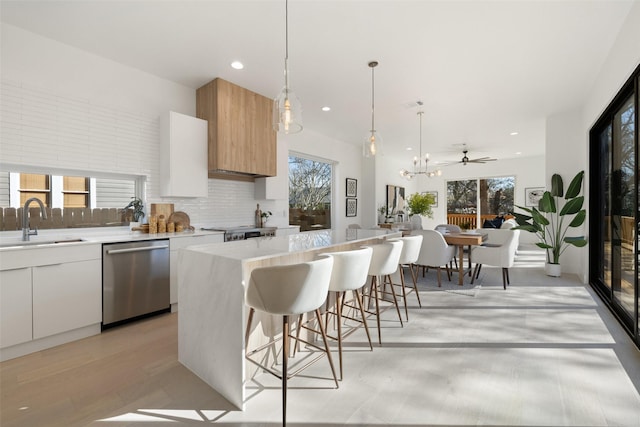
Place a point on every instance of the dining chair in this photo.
(289, 290)
(499, 250)
(434, 252)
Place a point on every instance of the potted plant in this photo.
(419, 204)
(548, 221)
(265, 216)
(137, 211)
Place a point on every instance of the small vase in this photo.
(416, 222)
(553, 270)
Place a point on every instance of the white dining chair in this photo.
(499, 250)
(434, 252)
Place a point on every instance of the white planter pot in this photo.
(416, 222)
(553, 270)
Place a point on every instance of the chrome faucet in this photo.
(25, 218)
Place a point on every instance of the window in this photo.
(470, 202)
(614, 207)
(310, 184)
(71, 201)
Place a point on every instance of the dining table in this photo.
(461, 240)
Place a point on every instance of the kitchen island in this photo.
(212, 314)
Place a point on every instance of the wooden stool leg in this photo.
(374, 285)
(395, 300)
(364, 318)
(404, 292)
(414, 276)
(339, 311)
(326, 346)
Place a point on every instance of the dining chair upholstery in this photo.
(434, 252)
(350, 272)
(288, 290)
(499, 250)
(410, 251)
(384, 262)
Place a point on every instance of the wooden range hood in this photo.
(242, 141)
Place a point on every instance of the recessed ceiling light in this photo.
(237, 65)
(518, 152)
(513, 133)
(326, 108)
(409, 149)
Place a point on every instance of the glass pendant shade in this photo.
(287, 109)
(372, 144)
(287, 112)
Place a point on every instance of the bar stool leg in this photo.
(395, 299)
(404, 292)
(364, 319)
(326, 345)
(246, 335)
(285, 359)
(414, 277)
(339, 311)
(374, 285)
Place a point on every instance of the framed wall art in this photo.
(351, 187)
(352, 207)
(533, 195)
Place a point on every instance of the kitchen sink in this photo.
(19, 243)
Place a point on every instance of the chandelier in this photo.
(418, 161)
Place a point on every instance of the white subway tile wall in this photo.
(43, 129)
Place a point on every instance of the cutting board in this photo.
(165, 209)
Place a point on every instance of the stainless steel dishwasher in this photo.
(135, 280)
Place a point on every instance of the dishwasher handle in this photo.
(129, 250)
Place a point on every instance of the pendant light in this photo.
(287, 110)
(417, 161)
(373, 141)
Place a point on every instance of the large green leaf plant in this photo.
(548, 220)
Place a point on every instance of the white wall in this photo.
(568, 132)
(52, 73)
(528, 171)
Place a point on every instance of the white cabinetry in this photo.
(49, 295)
(178, 243)
(15, 306)
(66, 296)
(183, 156)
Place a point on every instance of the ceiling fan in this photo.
(465, 159)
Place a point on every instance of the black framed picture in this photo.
(352, 207)
(351, 187)
(533, 195)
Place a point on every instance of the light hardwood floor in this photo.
(544, 352)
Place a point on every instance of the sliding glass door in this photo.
(614, 207)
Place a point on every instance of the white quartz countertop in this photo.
(265, 247)
(12, 240)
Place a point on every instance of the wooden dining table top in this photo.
(465, 239)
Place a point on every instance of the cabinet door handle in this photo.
(146, 248)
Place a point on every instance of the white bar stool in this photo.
(289, 290)
(409, 255)
(350, 271)
(384, 262)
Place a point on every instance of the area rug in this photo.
(429, 283)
